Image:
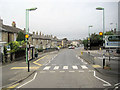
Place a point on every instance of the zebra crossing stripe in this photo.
(47, 68)
(84, 67)
(56, 67)
(65, 67)
(74, 67)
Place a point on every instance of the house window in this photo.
(0, 36)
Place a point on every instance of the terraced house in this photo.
(43, 41)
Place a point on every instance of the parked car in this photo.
(71, 47)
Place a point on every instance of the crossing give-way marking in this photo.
(65, 67)
(47, 68)
(84, 67)
(74, 67)
(56, 67)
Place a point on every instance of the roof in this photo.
(11, 29)
(41, 37)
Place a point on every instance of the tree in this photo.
(109, 33)
(21, 36)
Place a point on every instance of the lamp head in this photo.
(99, 8)
(31, 9)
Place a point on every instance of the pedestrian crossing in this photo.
(75, 67)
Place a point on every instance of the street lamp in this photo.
(100, 8)
(89, 36)
(27, 33)
(89, 30)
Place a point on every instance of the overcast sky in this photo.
(61, 18)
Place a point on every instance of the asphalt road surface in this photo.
(65, 70)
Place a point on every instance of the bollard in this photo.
(103, 60)
(81, 53)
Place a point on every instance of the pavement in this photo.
(113, 65)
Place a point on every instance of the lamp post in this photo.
(100, 8)
(89, 36)
(27, 33)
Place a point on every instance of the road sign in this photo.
(112, 41)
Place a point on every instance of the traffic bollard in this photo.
(103, 60)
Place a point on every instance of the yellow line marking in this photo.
(14, 85)
(35, 62)
(96, 66)
(24, 67)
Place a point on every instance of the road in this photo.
(65, 69)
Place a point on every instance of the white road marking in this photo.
(81, 71)
(47, 68)
(84, 67)
(107, 83)
(65, 67)
(42, 71)
(62, 71)
(78, 57)
(71, 71)
(28, 81)
(74, 67)
(91, 71)
(56, 67)
(52, 71)
(85, 62)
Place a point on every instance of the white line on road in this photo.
(85, 62)
(56, 67)
(107, 83)
(62, 71)
(81, 71)
(28, 81)
(42, 71)
(52, 71)
(65, 67)
(47, 68)
(74, 67)
(71, 71)
(76, 56)
(84, 67)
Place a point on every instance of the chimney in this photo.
(36, 33)
(115, 30)
(40, 33)
(1, 23)
(13, 24)
(33, 33)
(51, 36)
